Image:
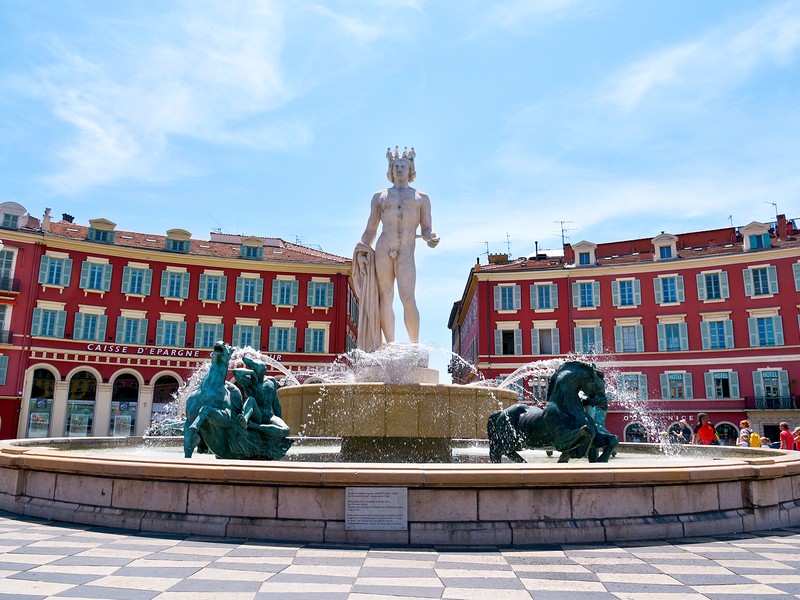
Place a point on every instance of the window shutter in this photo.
(578, 340)
(683, 331)
(242, 251)
(734, 380)
(701, 286)
(198, 334)
(202, 294)
(295, 292)
(709, 380)
(164, 283)
(724, 288)
(729, 334)
(276, 293)
(679, 285)
(61, 322)
(107, 271)
(643, 392)
(219, 332)
(293, 338)
(639, 338)
(662, 338)
(637, 292)
(148, 282)
(77, 327)
(102, 322)
(535, 341)
(615, 293)
(618, 347)
(126, 279)
(307, 347)
(595, 293)
(534, 296)
(329, 294)
(185, 288)
(259, 290)
(688, 391)
(758, 384)
(120, 337)
(518, 341)
(273, 338)
(752, 328)
(517, 297)
(765, 240)
(772, 277)
(44, 267)
(795, 271)
(576, 294)
(3, 369)
(240, 289)
(657, 289)
(223, 288)
(66, 272)
(553, 295)
(257, 337)
(598, 340)
(84, 281)
(160, 333)
(747, 274)
(783, 382)
(142, 333)
(777, 323)
(664, 386)
(497, 300)
(237, 336)
(181, 341)
(705, 334)
(310, 295)
(498, 342)
(556, 341)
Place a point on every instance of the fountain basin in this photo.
(722, 490)
(392, 422)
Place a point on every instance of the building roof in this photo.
(221, 245)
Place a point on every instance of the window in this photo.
(665, 252)
(759, 241)
(320, 294)
(632, 386)
(48, 323)
(212, 288)
(174, 285)
(722, 384)
(285, 292)
(771, 389)
(89, 327)
(170, 333)
(95, 276)
(765, 331)
(717, 335)
(672, 337)
(6, 270)
(586, 294)
(589, 340)
(545, 341)
(626, 292)
(760, 281)
(507, 297)
(669, 289)
(249, 290)
(181, 246)
(55, 271)
(544, 296)
(101, 236)
(629, 338)
(131, 330)
(584, 258)
(676, 386)
(713, 291)
(315, 340)
(282, 339)
(712, 286)
(10, 221)
(507, 342)
(137, 281)
(207, 334)
(251, 252)
(3, 369)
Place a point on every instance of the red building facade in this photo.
(698, 322)
(100, 327)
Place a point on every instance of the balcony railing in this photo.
(7, 284)
(771, 402)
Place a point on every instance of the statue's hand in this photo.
(433, 241)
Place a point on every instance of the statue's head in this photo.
(222, 352)
(401, 165)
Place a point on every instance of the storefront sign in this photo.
(144, 351)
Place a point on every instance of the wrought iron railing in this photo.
(771, 402)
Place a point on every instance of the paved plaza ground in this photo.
(45, 559)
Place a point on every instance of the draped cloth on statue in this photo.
(365, 282)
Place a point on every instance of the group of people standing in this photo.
(705, 434)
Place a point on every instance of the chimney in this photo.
(498, 259)
(46, 220)
(783, 232)
(67, 218)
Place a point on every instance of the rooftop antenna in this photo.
(563, 230)
(221, 228)
(775, 205)
(508, 244)
(730, 218)
(486, 243)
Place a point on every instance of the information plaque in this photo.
(376, 508)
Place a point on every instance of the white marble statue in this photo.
(399, 209)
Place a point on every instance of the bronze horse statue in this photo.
(215, 417)
(563, 423)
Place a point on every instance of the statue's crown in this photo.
(407, 154)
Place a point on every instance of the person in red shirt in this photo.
(704, 432)
(787, 439)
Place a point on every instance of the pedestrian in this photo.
(765, 442)
(787, 439)
(744, 439)
(704, 432)
(680, 433)
(796, 434)
(744, 426)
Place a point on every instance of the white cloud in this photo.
(717, 60)
(520, 15)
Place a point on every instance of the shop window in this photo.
(41, 405)
(124, 403)
(80, 404)
(635, 432)
(164, 390)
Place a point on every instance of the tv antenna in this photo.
(564, 230)
(220, 228)
(775, 206)
(508, 244)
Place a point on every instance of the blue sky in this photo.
(625, 118)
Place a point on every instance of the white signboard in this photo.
(376, 508)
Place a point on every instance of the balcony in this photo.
(771, 402)
(7, 284)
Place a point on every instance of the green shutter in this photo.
(126, 279)
(598, 340)
(159, 333)
(662, 337)
(273, 339)
(752, 328)
(239, 288)
(709, 379)
(643, 391)
(518, 299)
(85, 268)
(329, 294)
(36, 324)
(639, 338)
(148, 282)
(758, 384)
(498, 342)
(142, 333)
(44, 267)
(556, 342)
(534, 297)
(257, 337)
(164, 283)
(223, 288)
(657, 289)
(705, 334)
(276, 296)
(310, 294)
(198, 334)
(578, 340)
(77, 327)
(202, 291)
(576, 295)
(729, 334)
(181, 341)
(617, 337)
(783, 383)
(701, 286)
(637, 292)
(107, 271)
(553, 295)
(497, 300)
(102, 322)
(664, 378)
(237, 335)
(772, 278)
(595, 293)
(185, 286)
(120, 333)
(308, 336)
(295, 292)
(679, 286)
(517, 342)
(259, 290)
(795, 271)
(61, 322)
(777, 324)
(66, 272)
(734, 380)
(293, 338)
(724, 288)
(3, 369)
(688, 390)
(683, 332)
(242, 251)
(615, 293)
(535, 340)
(747, 274)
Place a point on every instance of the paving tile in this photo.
(482, 594)
(223, 588)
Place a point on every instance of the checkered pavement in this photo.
(44, 559)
